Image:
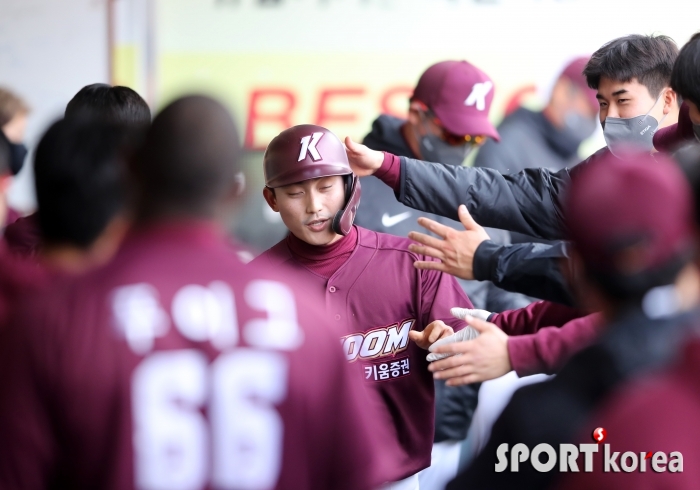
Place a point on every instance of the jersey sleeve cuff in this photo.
(390, 171)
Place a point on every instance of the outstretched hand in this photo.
(456, 249)
(484, 358)
(431, 334)
(363, 160)
(467, 333)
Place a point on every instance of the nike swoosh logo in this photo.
(390, 221)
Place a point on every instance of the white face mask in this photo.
(632, 132)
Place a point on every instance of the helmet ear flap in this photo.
(348, 180)
(343, 220)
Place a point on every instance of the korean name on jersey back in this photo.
(239, 443)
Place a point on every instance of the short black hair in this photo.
(78, 176)
(649, 59)
(685, 78)
(190, 159)
(120, 105)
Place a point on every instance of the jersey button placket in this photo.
(333, 289)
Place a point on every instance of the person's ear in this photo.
(271, 199)
(670, 99)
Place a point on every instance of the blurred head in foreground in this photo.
(633, 230)
(189, 164)
(78, 171)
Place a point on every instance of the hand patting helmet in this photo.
(308, 152)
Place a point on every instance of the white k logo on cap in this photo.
(308, 145)
(478, 95)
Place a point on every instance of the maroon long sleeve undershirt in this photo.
(544, 335)
(390, 171)
(551, 347)
(323, 260)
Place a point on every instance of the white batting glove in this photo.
(467, 333)
(462, 313)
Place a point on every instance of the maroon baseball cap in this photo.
(670, 138)
(574, 72)
(460, 95)
(631, 214)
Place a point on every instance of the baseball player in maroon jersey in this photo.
(384, 311)
(175, 366)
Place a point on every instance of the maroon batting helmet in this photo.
(308, 152)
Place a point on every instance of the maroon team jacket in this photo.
(177, 366)
(372, 301)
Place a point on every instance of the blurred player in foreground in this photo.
(79, 183)
(103, 104)
(665, 404)
(176, 366)
(385, 311)
(634, 250)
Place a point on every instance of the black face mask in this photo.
(18, 152)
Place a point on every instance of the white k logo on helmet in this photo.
(478, 95)
(308, 145)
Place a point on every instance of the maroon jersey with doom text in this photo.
(373, 300)
(177, 367)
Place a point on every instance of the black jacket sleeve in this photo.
(533, 269)
(528, 202)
